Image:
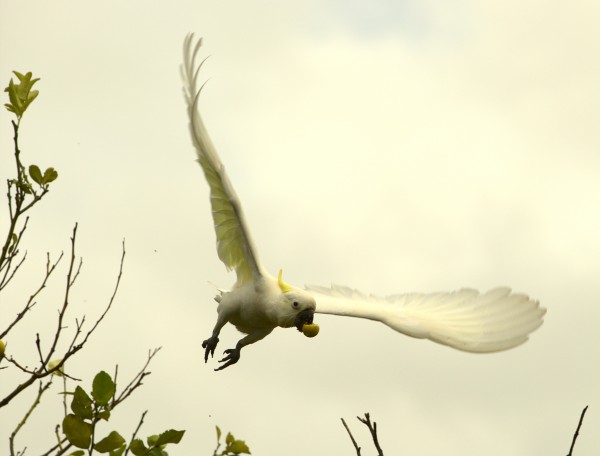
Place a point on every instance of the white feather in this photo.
(465, 319)
(234, 245)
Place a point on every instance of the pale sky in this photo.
(389, 146)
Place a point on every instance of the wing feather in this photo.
(234, 245)
(465, 319)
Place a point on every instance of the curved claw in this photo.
(209, 345)
(232, 357)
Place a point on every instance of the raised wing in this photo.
(465, 319)
(234, 245)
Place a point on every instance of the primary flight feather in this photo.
(258, 302)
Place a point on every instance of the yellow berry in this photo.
(310, 330)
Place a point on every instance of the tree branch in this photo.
(41, 390)
(31, 301)
(137, 429)
(136, 382)
(356, 447)
(42, 371)
(373, 430)
(372, 427)
(577, 431)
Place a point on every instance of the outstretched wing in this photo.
(465, 319)
(234, 245)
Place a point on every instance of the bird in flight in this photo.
(259, 302)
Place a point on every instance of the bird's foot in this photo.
(209, 346)
(232, 356)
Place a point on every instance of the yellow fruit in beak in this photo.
(310, 330)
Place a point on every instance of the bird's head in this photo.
(301, 308)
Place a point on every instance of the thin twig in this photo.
(577, 431)
(36, 373)
(12, 248)
(356, 447)
(31, 301)
(137, 380)
(65, 305)
(41, 390)
(112, 298)
(38, 345)
(58, 439)
(65, 394)
(137, 429)
(373, 430)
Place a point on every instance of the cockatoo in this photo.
(258, 302)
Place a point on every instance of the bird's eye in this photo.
(295, 304)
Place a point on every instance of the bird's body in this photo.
(256, 305)
(258, 302)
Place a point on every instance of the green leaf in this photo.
(118, 451)
(103, 415)
(77, 453)
(230, 438)
(109, 443)
(36, 174)
(157, 451)
(32, 95)
(50, 175)
(15, 102)
(170, 436)
(82, 404)
(218, 433)
(77, 431)
(103, 388)
(151, 440)
(138, 448)
(238, 446)
(24, 187)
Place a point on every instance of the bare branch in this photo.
(137, 429)
(356, 447)
(63, 310)
(31, 301)
(12, 249)
(38, 345)
(373, 430)
(577, 431)
(137, 380)
(41, 390)
(42, 370)
(112, 298)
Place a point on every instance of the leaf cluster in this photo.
(79, 427)
(232, 445)
(21, 95)
(156, 443)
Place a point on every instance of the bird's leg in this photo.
(232, 355)
(210, 344)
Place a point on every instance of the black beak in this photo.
(303, 318)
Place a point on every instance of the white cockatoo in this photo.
(258, 302)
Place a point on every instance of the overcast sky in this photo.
(392, 146)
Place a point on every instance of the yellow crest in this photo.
(284, 286)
